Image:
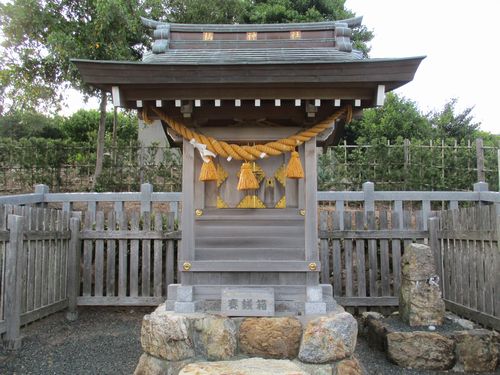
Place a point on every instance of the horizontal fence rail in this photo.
(467, 253)
(127, 258)
(368, 199)
(121, 249)
(34, 246)
(362, 261)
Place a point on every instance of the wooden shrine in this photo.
(249, 105)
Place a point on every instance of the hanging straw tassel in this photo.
(294, 168)
(247, 178)
(208, 171)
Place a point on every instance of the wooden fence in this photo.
(34, 245)
(467, 252)
(127, 259)
(126, 255)
(362, 260)
(368, 199)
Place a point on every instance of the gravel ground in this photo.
(106, 341)
(376, 363)
(397, 324)
(101, 341)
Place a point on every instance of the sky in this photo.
(459, 38)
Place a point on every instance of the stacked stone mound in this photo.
(201, 343)
(420, 308)
(457, 348)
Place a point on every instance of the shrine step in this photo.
(295, 293)
(236, 266)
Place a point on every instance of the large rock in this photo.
(329, 338)
(149, 365)
(165, 334)
(376, 333)
(215, 337)
(420, 300)
(420, 350)
(349, 366)
(251, 366)
(315, 368)
(476, 350)
(270, 337)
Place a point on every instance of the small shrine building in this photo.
(249, 105)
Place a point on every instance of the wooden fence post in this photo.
(369, 190)
(433, 224)
(480, 187)
(13, 282)
(42, 189)
(481, 177)
(146, 192)
(73, 281)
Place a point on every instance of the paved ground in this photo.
(106, 341)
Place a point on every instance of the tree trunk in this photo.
(100, 138)
(113, 138)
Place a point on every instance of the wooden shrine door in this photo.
(225, 243)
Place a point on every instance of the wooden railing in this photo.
(34, 248)
(367, 199)
(127, 255)
(363, 259)
(127, 258)
(467, 253)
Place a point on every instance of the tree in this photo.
(41, 37)
(448, 124)
(83, 125)
(265, 11)
(29, 124)
(207, 11)
(282, 11)
(398, 117)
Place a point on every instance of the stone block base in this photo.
(448, 347)
(149, 365)
(176, 343)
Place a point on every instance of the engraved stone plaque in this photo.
(247, 301)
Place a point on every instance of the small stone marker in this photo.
(420, 302)
(247, 301)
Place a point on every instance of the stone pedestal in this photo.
(420, 302)
(450, 346)
(176, 343)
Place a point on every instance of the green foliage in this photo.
(449, 124)
(40, 38)
(416, 165)
(65, 165)
(398, 117)
(28, 124)
(207, 11)
(82, 126)
(132, 165)
(283, 11)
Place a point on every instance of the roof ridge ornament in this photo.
(342, 35)
(161, 36)
(186, 27)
